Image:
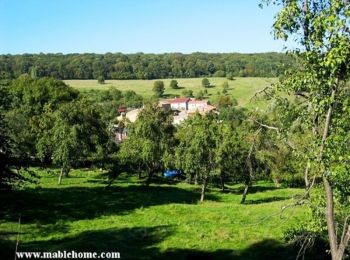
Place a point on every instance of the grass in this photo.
(241, 89)
(162, 221)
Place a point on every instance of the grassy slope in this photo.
(241, 88)
(160, 221)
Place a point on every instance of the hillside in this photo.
(240, 88)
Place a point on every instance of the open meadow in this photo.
(241, 88)
(161, 221)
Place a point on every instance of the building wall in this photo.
(181, 106)
(194, 106)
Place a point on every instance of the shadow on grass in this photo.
(105, 179)
(131, 243)
(252, 190)
(49, 205)
(268, 249)
(266, 200)
(141, 243)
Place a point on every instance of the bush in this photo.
(101, 80)
(205, 83)
(158, 88)
(174, 84)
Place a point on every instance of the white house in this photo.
(197, 104)
(179, 103)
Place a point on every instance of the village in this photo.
(182, 107)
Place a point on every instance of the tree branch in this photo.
(264, 90)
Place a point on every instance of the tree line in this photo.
(145, 66)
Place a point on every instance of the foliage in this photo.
(200, 95)
(322, 29)
(145, 66)
(158, 88)
(8, 177)
(205, 83)
(226, 101)
(195, 153)
(109, 100)
(187, 93)
(174, 84)
(150, 138)
(30, 99)
(71, 134)
(225, 87)
(101, 80)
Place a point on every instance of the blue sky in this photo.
(129, 26)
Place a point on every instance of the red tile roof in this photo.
(179, 100)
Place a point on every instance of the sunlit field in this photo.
(162, 221)
(242, 89)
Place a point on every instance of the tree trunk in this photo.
(222, 181)
(245, 191)
(139, 171)
(337, 250)
(306, 176)
(196, 179)
(330, 218)
(150, 175)
(190, 178)
(66, 173)
(61, 175)
(248, 181)
(112, 179)
(204, 188)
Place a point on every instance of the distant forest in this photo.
(145, 66)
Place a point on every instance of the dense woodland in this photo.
(145, 66)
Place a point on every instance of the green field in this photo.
(240, 88)
(162, 221)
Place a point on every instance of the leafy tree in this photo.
(8, 177)
(145, 66)
(200, 95)
(230, 76)
(150, 138)
(205, 83)
(231, 152)
(30, 99)
(187, 93)
(158, 88)
(174, 84)
(101, 80)
(71, 134)
(196, 150)
(225, 87)
(322, 29)
(226, 101)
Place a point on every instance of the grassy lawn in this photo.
(162, 221)
(240, 88)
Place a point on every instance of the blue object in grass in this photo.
(171, 173)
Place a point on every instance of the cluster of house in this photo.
(182, 107)
(185, 107)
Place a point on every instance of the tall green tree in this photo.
(196, 150)
(72, 133)
(150, 138)
(230, 152)
(30, 99)
(322, 30)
